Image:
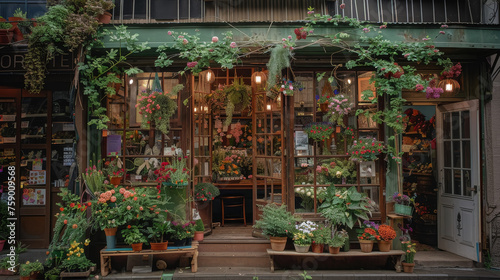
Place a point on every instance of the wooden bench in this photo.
(343, 260)
(188, 252)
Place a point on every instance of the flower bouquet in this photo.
(366, 149)
(339, 107)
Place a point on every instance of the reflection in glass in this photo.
(456, 154)
(465, 124)
(466, 179)
(457, 182)
(455, 125)
(448, 183)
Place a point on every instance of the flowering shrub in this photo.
(321, 235)
(368, 234)
(205, 192)
(226, 164)
(76, 259)
(410, 251)
(114, 168)
(304, 233)
(182, 230)
(157, 107)
(319, 131)
(386, 232)
(174, 171)
(339, 107)
(366, 149)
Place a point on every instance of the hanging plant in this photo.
(238, 94)
(158, 107)
(279, 60)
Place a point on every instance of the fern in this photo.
(279, 60)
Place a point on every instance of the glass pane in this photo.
(447, 153)
(447, 181)
(467, 186)
(34, 121)
(304, 176)
(368, 172)
(373, 194)
(465, 124)
(336, 171)
(466, 157)
(457, 182)
(455, 125)
(304, 199)
(446, 126)
(456, 153)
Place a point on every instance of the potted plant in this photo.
(199, 230)
(115, 170)
(366, 149)
(173, 173)
(205, 192)
(277, 223)
(302, 237)
(402, 204)
(387, 234)
(410, 251)
(133, 236)
(7, 267)
(182, 233)
(321, 132)
(343, 207)
(239, 97)
(76, 262)
(52, 274)
(158, 233)
(367, 236)
(30, 270)
(157, 107)
(226, 166)
(338, 240)
(6, 32)
(320, 237)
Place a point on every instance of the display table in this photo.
(353, 257)
(189, 252)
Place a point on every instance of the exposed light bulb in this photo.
(209, 76)
(131, 81)
(349, 81)
(449, 87)
(258, 80)
(269, 107)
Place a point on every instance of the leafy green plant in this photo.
(338, 239)
(344, 206)
(276, 221)
(133, 234)
(19, 13)
(238, 94)
(5, 25)
(99, 71)
(321, 235)
(182, 229)
(29, 268)
(278, 60)
(158, 232)
(76, 260)
(199, 226)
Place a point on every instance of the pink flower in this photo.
(342, 6)
(169, 32)
(310, 12)
(215, 39)
(444, 26)
(233, 45)
(425, 39)
(192, 64)
(442, 32)
(366, 30)
(382, 26)
(419, 87)
(185, 41)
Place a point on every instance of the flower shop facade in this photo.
(279, 145)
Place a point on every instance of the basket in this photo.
(404, 210)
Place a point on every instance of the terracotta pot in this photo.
(278, 243)
(24, 277)
(199, 235)
(159, 246)
(15, 20)
(137, 247)
(105, 18)
(301, 248)
(408, 267)
(35, 276)
(366, 246)
(317, 248)
(110, 231)
(384, 246)
(115, 180)
(334, 250)
(323, 107)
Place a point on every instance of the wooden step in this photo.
(234, 246)
(233, 259)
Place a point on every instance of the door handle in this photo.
(473, 189)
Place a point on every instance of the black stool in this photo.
(233, 201)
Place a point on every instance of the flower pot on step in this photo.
(137, 247)
(159, 246)
(384, 246)
(334, 250)
(408, 267)
(317, 248)
(110, 237)
(115, 180)
(199, 235)
(278, 243)
(301, 248)
(366, 246)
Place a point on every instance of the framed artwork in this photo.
(364, 84)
